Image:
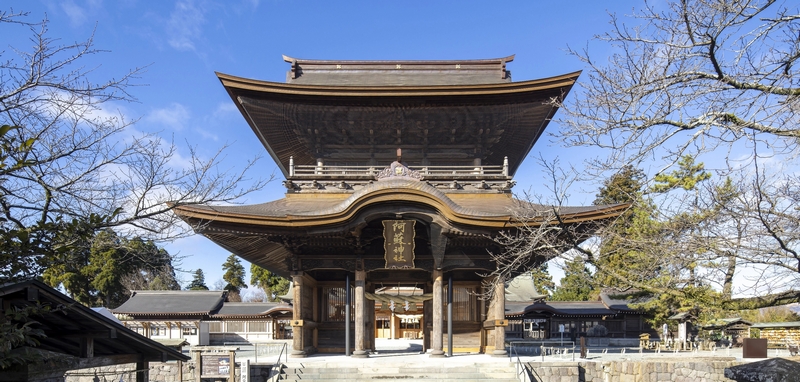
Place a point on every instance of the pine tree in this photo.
(577, 284)
(198, 281)
(272, 284)
(542, 280)
(627, 246)
(234, 274)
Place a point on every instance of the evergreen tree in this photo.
(626, 250)
(272, 284)
(542, 280)
(234, 274)
(198, 281)
(577, 284)
(104, 272)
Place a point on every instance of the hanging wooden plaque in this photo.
(398, 237)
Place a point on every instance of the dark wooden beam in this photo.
(109, 333)
(143, 374)
(32, 294)
(87, 347)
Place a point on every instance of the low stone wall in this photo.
(161, 372)
(624, 342)
(655, 370)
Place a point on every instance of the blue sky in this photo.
(183, 43)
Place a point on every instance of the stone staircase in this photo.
(475, 372)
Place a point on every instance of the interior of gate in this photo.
(402, 273)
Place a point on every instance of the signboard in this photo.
(535, 320)
(216, 365)
(398, 237)
(561, 328)
(682, 331)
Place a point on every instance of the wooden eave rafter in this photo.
(234, 85)
(250, 96)
(388, 196)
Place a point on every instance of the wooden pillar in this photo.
(427, 319)
(369, 313)
(394, 326)
(499, 305)
(361, 335)
(438, 320)
(142, 371)
(232, 369)
(198, 361)
(298, 340)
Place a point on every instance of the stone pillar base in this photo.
(297, 354)
(438, 354)
(499, 353)
(360, 354)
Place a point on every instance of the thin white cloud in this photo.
(207, 134)
(184, 26)
(253, 3)
(76, 14)
(173, 117)
(225, 109)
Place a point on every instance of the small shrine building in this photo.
(398, 175)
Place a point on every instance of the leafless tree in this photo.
(695, 77)
(714, 80)
(544, 229)
(80, 157)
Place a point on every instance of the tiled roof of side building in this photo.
(253, 309)
(764, 325)
(522, 289)
(172, 302)
(581, 307)
(621, 299)
(565, 308)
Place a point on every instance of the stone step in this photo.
(436, 378)
(322, 374)
(428, 377)
(463, 373)
(433, 378)
(382, 377)
(390, 370)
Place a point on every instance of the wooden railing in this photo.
(321, 170)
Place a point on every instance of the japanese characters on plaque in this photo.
(398, 238)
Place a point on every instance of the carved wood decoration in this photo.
(398, 238)
(398, 169)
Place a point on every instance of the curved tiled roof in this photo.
(495, 210)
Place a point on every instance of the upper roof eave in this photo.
(232, 83)
(380, 62)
